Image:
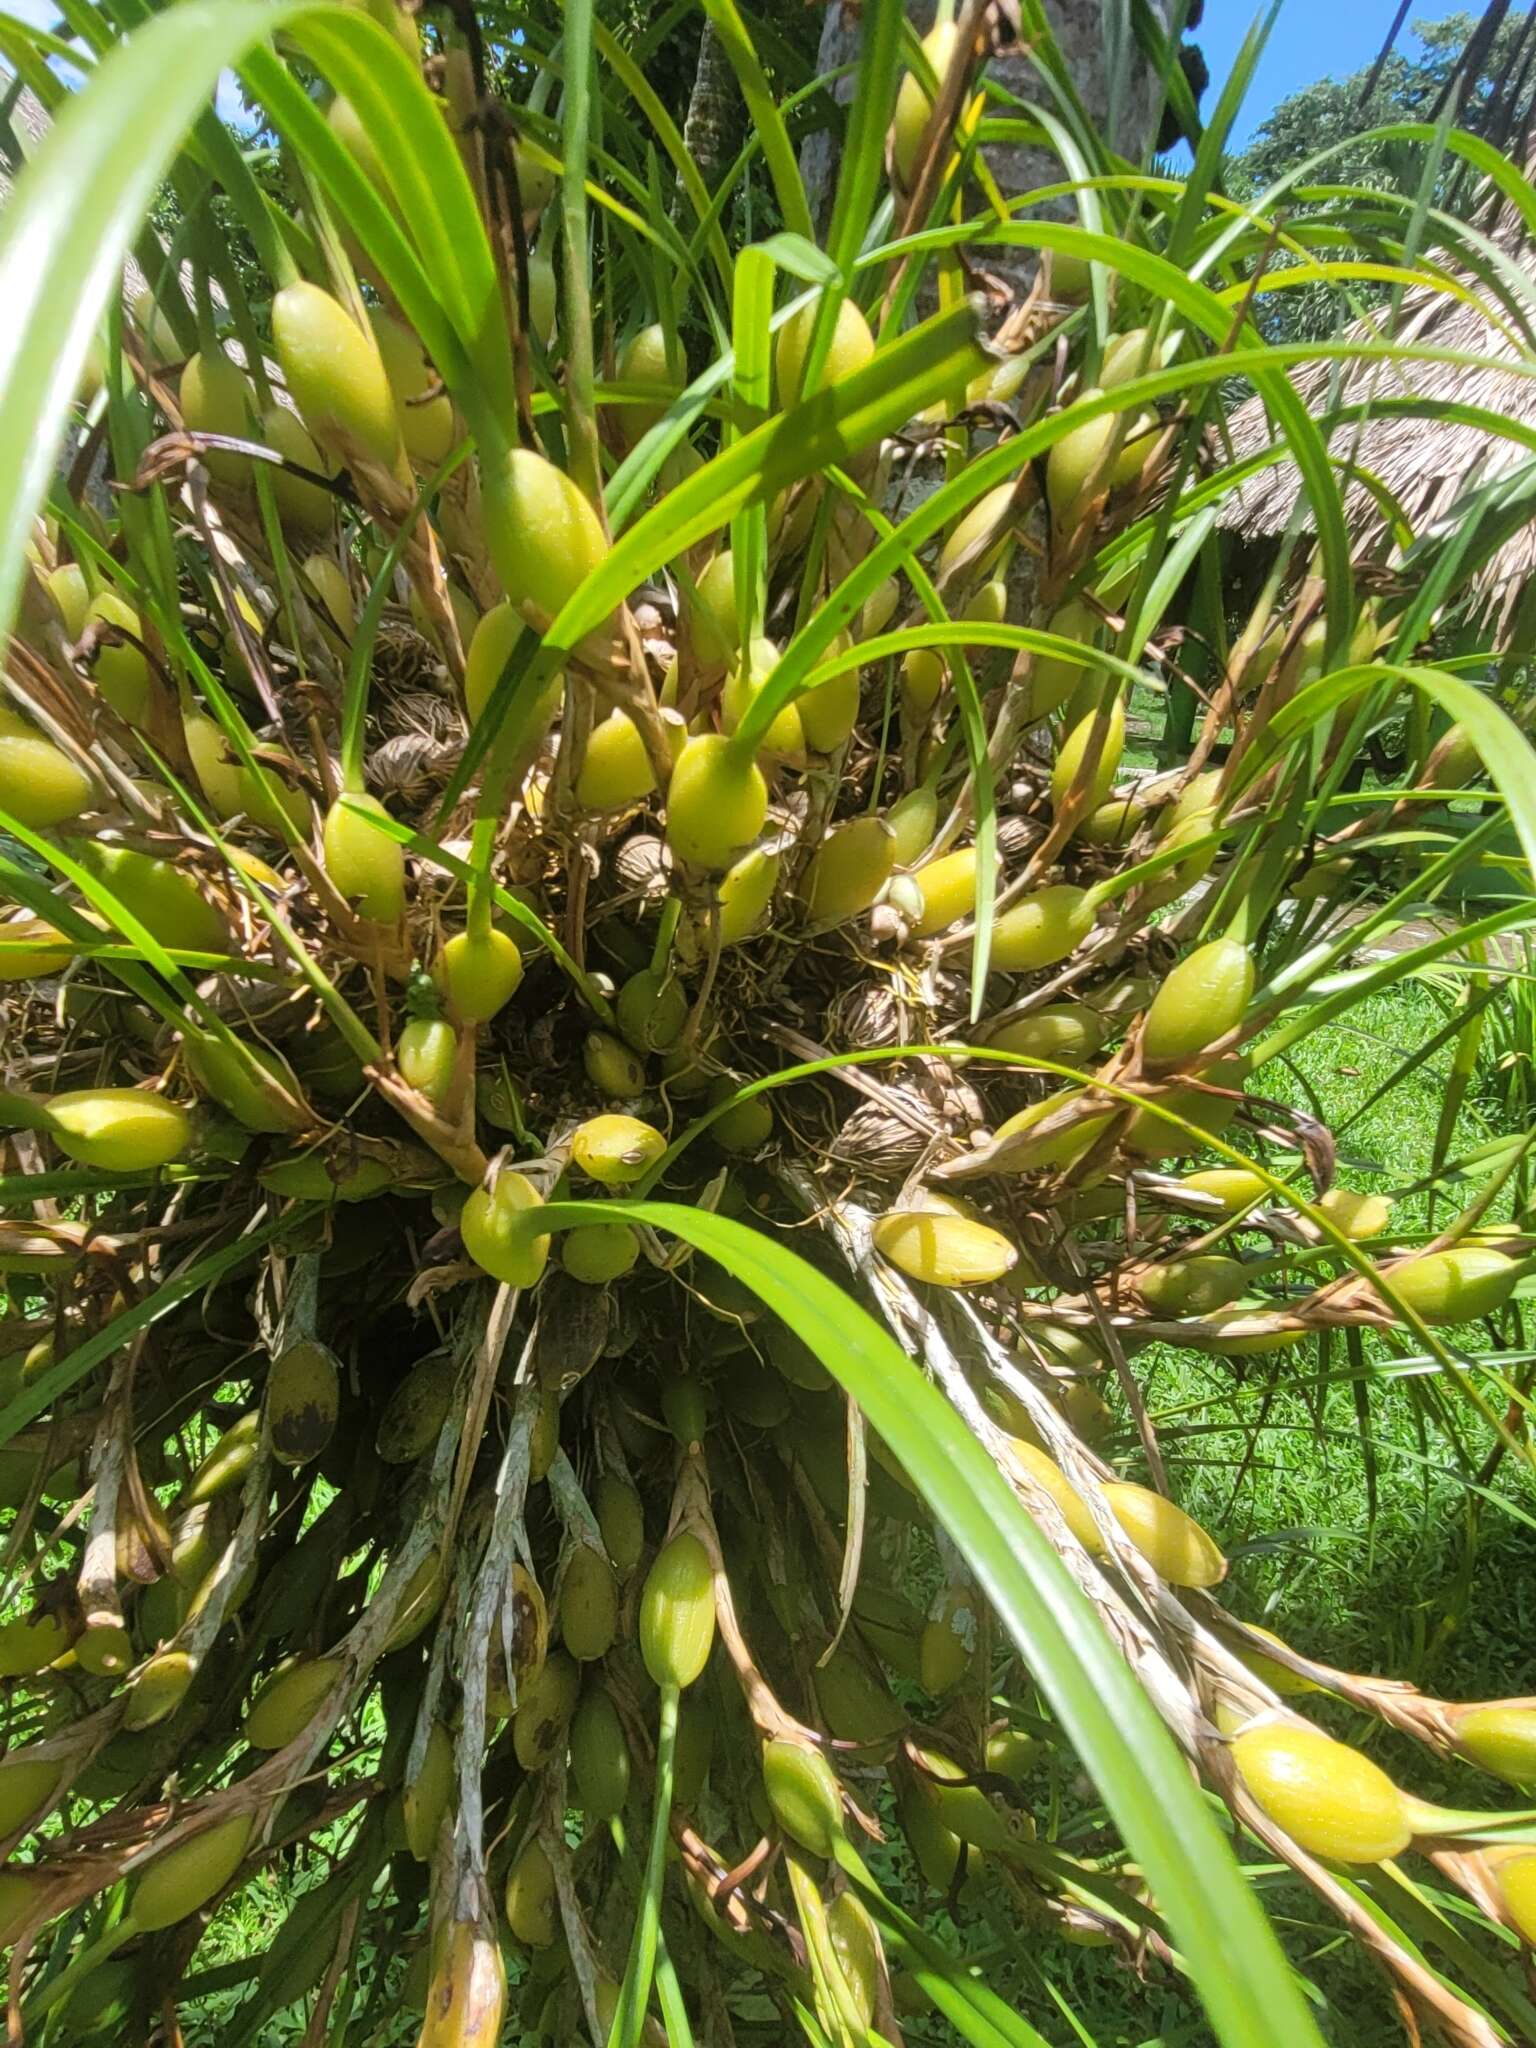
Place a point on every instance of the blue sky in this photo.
(45, 14)
(1312, 39)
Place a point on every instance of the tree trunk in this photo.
(712, 129)
(1119, 93)
(1118, 89)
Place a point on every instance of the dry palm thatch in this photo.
(1428, 463)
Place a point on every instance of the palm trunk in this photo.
(712, 129)
(822, 151)
(1120, 93)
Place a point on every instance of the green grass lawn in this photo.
(1352, 1527)
(1413, 1582)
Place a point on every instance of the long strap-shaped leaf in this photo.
(431, 187)
(1502, 747)
(767, 120)
(974, 732)
(751, 311)
(79, 203)
(649, 101)
(1000, 463)
(1232, 1954)
(69, 221)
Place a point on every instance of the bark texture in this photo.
(712, 128)
(1118, 89)
(1119, 92)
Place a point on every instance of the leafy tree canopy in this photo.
(1347, 111)
(1340, 110)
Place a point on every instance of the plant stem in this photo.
(666, 929)
(80, 1965)
(636, 1989)
(575, 124)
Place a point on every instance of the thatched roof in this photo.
(1429, 465)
